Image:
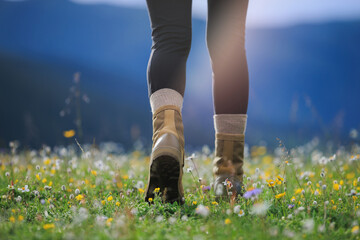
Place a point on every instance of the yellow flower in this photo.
(108, 221)
(298, 191)
(271, 183)
(341, 182)
(214, 203)
(125, 177)
(38, 177)
(334, 207)
(44, 180)
(336, 187)
(12, 219)
(48, 226)
(69, 133)
(150, 199)
(103, 202)
(354, 197)
(93, 172)
(293, 199)
(280, 178)
(157, 190)
(110, 199)
(141, 190)
(117, 203)
(355, 183)
(79, 197)
(280, 195)
(50, 183)
(350, 175)
(21, 218)
(227, 221)
(53, 171)
(47, 161)
(355, 229)
(194, 202)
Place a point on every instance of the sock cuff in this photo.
(230, 123)
(165, 96)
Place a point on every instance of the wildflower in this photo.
(48, 226)
(93, 172)
(69, 133)
(293, 199)
(280, 195)
(110, 199)
(18, 199)
(141, 191)
(63, 187)
(77, 191)
(202, 210)
(159, 218)
(214, 203)
(290, 206)
(44, 180)
(237, 209)
(37, 177)
(322, 174)
(108, 221)
(298, 191)
(205, 188)
(7, 174)
(227, 221)
(79, 197)
(21, 218)
(117, 203)
(156, 190)
(184, 218)
(323, 187)
(24, 189)
(315, 203)
(47, 161)
(140, 184)
(194, 202)
(12, 219)
(260, 208)
(103, 202)
(336, 187)
(252, 193)
(271, 183)
(308, 225)
(189, 170)
(355, 230)
(150, 199)
(241, 213)
(11, 187)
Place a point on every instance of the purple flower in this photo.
(252, 193)
(205, 188)
(290, 206)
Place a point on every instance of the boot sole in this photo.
(164, 174)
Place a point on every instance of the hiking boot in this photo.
(167, 156)
(228, 164)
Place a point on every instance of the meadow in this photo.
(97, 192)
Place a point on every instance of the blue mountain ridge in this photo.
(304, 80)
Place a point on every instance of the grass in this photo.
(99, 195)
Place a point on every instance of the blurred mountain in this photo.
(304, 79)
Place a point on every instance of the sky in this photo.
(271, 13)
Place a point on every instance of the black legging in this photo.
(171, 35)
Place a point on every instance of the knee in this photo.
(172, 39)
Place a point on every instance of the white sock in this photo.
(165, 96)
(230, 123)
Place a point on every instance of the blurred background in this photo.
(81, 65)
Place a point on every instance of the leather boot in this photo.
(167, 156)
(228, 164)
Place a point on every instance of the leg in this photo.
(171, 34)
(226, 44)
